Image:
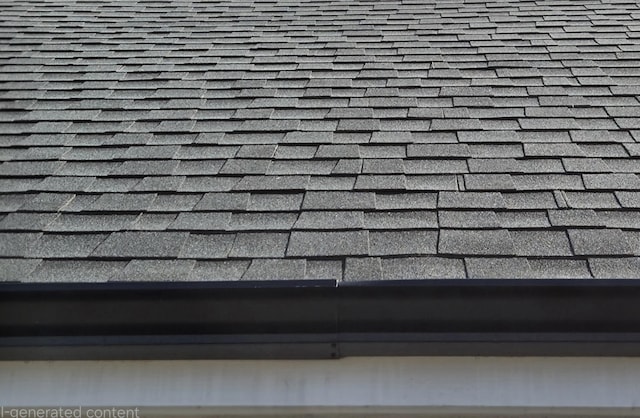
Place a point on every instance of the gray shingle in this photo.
(123, 202)
(71, 222)
(330, 220)
(629, 199)
(541, 243)
(380, 182)
(50, 271)
(362, 269)
(271, 183)
(498, 268)
(412, 268)
(223, 201)
(201, 221)
(262, 221)
(17, 269)
(153, 222)
(141, 244)
(475, 242)
(401, 220)
(27, 221)
(574, 217)
(259, 245)
(156, 270)
(615, 268)
(338, 200)
(207, 246)
(17, 244)
(324, 270)
(245, 166)
(218, 270)
(559, 269)
(275, 202)
(601, 242)
(475, 219)
(65, 245)
(275, 269)
(611, 181)
(470, 200)
(323, 244)
(403, 242)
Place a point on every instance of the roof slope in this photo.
(348, 140)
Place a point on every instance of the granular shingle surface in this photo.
(334, 139)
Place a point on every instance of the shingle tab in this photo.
(141, 244)
(322, 244)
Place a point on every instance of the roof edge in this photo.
(319, 319)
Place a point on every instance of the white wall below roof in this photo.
(392, 385)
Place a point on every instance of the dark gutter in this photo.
(319, 319)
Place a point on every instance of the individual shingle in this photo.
(330, 220)
(438, 150)
(615, 268)
(65, 245)
(275, 202)
(428, 267)
(380, 182)
(141, 245)
(244, 166)
(362, 269)
(46, 202)
(293, 167)
(208, 184)
(26, 221)
(541, 243)
(50, 271)
(323, 244)
(207, 246)
(618, 219)
(324, 270)
(475, 242)
(387, 201)
(262, 221)
(17, 244)
(470, 200)
(123, 202)
(545, 268)
(530, 200)
(629, 199)
(591, 200)
(601, 242)
(17, 269)
(403, 242)
(275, 269)
(271, 183)
(498, 268)
(153, 222)
(338, 151)
(71, 222)
(338, 200)
(201, 221)
(574, 217)
(259, 245)
(156, 270)
(611, 181)
(474, 219)
(223, 201)
(218, 270)
(401, 220)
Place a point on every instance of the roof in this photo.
(339, 140)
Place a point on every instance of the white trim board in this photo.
(393, 385)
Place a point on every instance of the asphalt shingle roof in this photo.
(339, 139)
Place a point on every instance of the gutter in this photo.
(319, 319)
